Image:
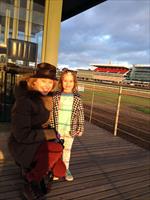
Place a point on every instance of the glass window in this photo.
(28, 17)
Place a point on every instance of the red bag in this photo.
(58, 167)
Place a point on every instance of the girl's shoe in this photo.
(68, 176)
(55, 178)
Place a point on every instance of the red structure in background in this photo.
(111, 70)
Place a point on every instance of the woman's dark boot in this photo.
(37, 189)
(32, 191)
(43, 186)
(27, 192)
(46, 183)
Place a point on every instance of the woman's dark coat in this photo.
(29, 114)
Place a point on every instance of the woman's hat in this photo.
(45, 70)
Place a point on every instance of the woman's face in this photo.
(68, 82)
(43, 85)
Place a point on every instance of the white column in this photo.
(28, 22)
(51, 34)
(7, 25)
(16, 19)
(0, 30)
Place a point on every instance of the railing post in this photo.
(118, 110)
(93, 94)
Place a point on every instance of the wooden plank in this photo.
(104, 168)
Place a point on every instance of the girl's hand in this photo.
(77, 133)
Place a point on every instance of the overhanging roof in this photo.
(74, 7)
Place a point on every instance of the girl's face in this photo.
(68, 82)
(43, 85)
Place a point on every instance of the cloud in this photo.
(116, 30)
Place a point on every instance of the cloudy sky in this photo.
(116, 31)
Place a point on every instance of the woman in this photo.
(29, 142)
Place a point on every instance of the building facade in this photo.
(31, 21)
(21, 20)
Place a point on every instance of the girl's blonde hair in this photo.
(63, 73)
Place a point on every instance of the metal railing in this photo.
(124, 111)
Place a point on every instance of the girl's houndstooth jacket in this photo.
(77, 117)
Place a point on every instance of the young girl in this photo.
(69, 114)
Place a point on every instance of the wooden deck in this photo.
(104, 167)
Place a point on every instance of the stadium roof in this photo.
(141, 65)
(109, 65)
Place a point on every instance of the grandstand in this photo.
(104, 73)
(110, 72)
(140, 72)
